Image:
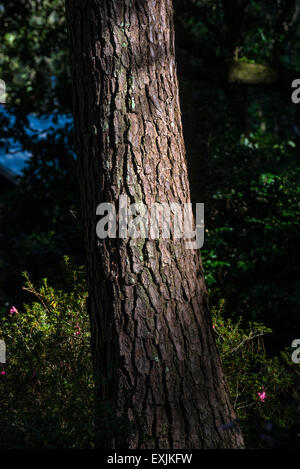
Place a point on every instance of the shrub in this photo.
(263, 389)
(47, 390)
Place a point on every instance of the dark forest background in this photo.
(236, 62)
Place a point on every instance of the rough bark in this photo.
(155, 356)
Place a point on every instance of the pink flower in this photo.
(78, 329)
(13, 310)
(3, 373)
(262, 396)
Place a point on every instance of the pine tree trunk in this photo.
(155, 356)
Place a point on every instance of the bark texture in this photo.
(155, 356)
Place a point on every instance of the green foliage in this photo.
(39, 218)
(34, 57)
(242, 147)
(245, 170)
(47, 392)
(259, 32)
(252, 235)
(250, 371)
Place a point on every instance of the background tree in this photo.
(154, 352)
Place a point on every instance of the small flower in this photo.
(3, 373)
(78, 329)
(262, 396)
(13, 310)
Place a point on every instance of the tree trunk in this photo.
(155, 356)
